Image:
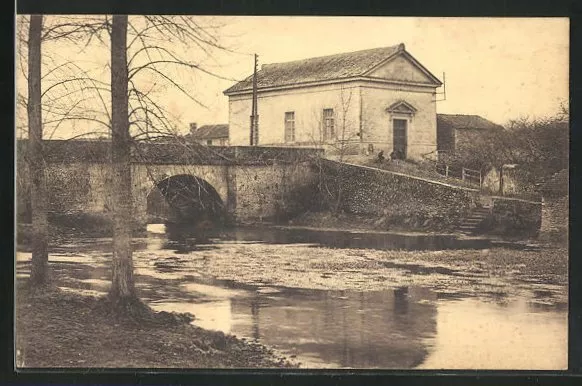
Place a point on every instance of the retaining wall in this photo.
(554, 224)
(513, 216)
(399, 198)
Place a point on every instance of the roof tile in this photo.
(211, 132)
(462, 121)
(345, 65)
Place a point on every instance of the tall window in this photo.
(328, 124)
(290, 126)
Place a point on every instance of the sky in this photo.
(499, 68)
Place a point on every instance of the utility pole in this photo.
(444, 93)
(254, 132)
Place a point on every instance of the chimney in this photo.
(193, 127)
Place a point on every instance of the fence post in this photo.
(446, 170)
(480, 180)
(463, 174)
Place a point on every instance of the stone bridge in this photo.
(177, 180)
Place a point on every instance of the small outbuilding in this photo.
(210, 135)
(454, 130)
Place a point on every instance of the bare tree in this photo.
(539, 145)
(122, 288)
(337, 134)
(39, 271)
(146, 47)
(347, 133)
(144, 57)
(46, 110)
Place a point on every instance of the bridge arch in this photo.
(185, 199)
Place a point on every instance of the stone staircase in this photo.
(470, 224)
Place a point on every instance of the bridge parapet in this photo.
(71, 151)
(172, 153)
(182, 153)
(267, 155)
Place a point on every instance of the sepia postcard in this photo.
(291, 192)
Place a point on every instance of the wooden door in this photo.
(400, 137)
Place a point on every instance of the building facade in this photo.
(371, 100)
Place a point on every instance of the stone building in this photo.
(454, 130)
(210, 135)
(370, 100)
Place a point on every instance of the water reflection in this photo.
(400, 326)
(382, 329)
(351, 239)
(186, 237)
(385, 329)
(181, 238)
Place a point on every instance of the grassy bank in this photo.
(412, 222)
(60, 329)
(421, 169)
(340, 220)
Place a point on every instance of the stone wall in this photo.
(273, 193)
(68, 189)
(399, 198)
(555, 215)
(77, 196)
(513, 217)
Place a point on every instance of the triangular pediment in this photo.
(401, 107)
(403, 68)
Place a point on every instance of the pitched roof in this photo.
(211, 132)
(323, 68)
(462, 121)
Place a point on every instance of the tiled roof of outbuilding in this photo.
(462, 121)
(211, 132)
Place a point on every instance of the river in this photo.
(327, 302)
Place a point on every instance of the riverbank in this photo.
(60, 329)
(415, 223)
(347, 221)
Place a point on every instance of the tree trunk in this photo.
(501, 177)
(122, 286)
(39, 271)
